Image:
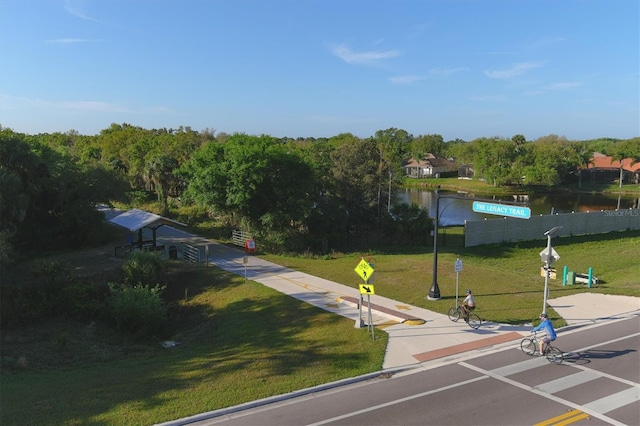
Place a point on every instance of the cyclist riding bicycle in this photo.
(550, 333)
(468, 305)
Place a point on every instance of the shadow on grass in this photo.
(249, 343)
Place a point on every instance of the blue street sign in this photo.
(502, 210)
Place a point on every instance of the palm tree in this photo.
(619, 155)
(582, 157)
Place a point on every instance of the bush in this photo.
(137, 310)
(142, 267)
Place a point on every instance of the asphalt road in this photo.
(598, 384)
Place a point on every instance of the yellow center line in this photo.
(573, 419)
(564, 419)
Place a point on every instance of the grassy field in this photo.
(505, 279)
(240, 341)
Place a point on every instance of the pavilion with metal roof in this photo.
(136, 220)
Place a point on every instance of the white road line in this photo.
(591, 412)
(397, 401)
(568, 381)
(521, 366)
(606, 343)
(617, 400)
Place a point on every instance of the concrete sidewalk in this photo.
(416, 335)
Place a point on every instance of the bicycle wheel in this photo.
(454, 314)
(554, 355)
(528, 346)
(474, 321)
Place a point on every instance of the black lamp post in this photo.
(434, 292)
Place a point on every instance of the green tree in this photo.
(427, 144)
(256, 178)
(159, 173)
(581, 157)
(355, 181)
(627, 149)
(52, 204)
(393, 145)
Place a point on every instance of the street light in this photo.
(548, 256)
(434, 292)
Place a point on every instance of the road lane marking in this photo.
(617, 400)
(554, 398)
(569, 417)
(568, 381)
(397, 401)
(521, 366)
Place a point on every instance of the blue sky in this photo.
(317, 68)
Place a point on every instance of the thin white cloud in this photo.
(515, 70)
(8, 102)
(406, 79)
(76, 8)
(345, 53)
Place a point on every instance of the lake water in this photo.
(456, 211)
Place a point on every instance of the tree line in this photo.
(295, 194)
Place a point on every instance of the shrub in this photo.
(142, 267)
(137, 309)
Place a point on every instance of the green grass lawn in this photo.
(240, 341)
(505, 279)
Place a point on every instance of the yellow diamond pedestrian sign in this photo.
(364, 270)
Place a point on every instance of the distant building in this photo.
(603, 170)
(430, 166)
(466, 171)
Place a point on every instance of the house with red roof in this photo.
(603, 169)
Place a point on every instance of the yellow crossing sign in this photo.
(367, 289)
(364, 270)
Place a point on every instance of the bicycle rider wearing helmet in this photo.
(468, 304)
(550, 333)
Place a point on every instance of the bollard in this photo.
(590, 277)
(565, 271)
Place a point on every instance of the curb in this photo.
(383, 374)
(396, 315)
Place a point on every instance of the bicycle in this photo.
(473, 320)
(530, 347)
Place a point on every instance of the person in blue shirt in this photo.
(550, 333)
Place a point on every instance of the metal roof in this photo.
(136, 219)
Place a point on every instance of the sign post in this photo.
(457, 267)
(548, 256)
(365, 271)
(368, 290)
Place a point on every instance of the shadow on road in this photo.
(586, 356)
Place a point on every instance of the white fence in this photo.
(191, 254)
(493, 231)
(240, 237)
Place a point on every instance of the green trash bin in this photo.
(571, 277)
